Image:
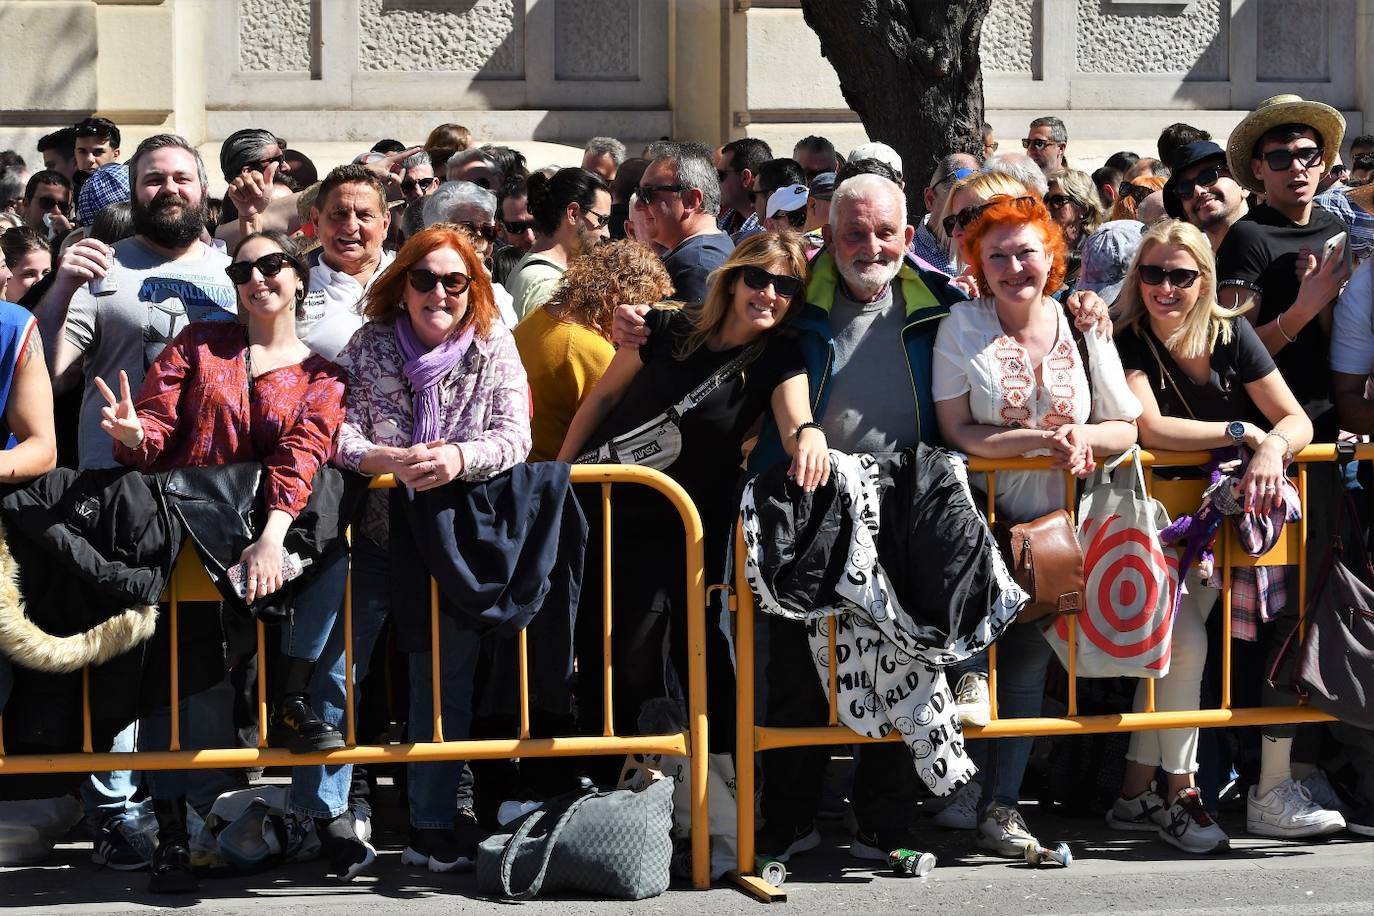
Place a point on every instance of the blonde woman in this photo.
(1205, 381)
(1073, 202)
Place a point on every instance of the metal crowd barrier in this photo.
(1179, 497)
(190, 583)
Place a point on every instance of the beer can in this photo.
(1037, 855)
(771, 870)
(103, 286)
(911, 864)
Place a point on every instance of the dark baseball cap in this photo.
(1188, 156)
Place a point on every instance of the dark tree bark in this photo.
(910, 70)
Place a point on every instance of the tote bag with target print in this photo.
(1125, 628)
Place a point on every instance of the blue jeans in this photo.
(1023, 657)
(107, 794)
(315, 612)
(434, 787)
(207, 720)
(322, 791)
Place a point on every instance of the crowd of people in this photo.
(445, 315)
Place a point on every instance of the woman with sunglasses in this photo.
(964, 204)
(742, 324)
(228, 392)
(572, 214)
(1072, 201)
(1010, 381)
(1205, 381)
(1132, 195)
(436, 394)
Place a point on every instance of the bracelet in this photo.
(1287, 446)
(809, 424)
(1278, 323)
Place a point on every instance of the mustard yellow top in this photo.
(563, 361)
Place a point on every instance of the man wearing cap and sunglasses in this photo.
(931, 244)
(1202, 191)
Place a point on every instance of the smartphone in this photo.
(1336, 246)
(291, 567)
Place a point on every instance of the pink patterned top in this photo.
(196, 412)
(485, 406)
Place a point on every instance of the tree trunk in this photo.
(910, 70)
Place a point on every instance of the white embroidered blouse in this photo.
(974, 356)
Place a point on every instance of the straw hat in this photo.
(1281, 109)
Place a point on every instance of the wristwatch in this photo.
(1236, 430)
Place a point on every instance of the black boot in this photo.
(294, 723)
(171, 867)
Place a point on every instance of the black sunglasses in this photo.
(269, 265)
(485, 230)
(410, 185)
(1187, 187)
(1136, 192)
(517, 226)
(601, 219)
(784, 285)
(1055, 201)
(969, 215)
(262, 164)
(1281, 159)
(424, 281)
(647, 191)
(1037, 143)
(1179, 277)
(47, 203)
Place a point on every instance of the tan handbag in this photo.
(1047, 562)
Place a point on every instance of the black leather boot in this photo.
(295, 725)
(171, 866)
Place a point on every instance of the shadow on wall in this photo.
(45, 86)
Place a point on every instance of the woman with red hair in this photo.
(1010, 381)
(436, 393)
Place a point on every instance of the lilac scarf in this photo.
(425, 370)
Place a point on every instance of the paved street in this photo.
(1111, 875)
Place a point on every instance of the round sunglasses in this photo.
(424, 281)
(1179, 277)
(785, 285)
(269, 265)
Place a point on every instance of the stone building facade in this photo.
(321, 71)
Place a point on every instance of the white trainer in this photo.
(1189, 827)
(1143, 813)
(1003, 833)
(972, 700)
(1288, 812)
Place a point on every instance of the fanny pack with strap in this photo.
(658, 443)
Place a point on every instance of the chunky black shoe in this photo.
(171, 870)
(296, 727)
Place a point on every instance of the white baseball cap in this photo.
(787, 199)
(880, 151)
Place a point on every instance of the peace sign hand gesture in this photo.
(119, 419)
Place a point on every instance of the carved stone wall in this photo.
(596, 39)
(1189, 40)
(1294, 40)
(1008, 39)
(274, 36)
(479, 37)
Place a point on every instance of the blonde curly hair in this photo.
(616, 273)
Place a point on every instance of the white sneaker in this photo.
(1323, 794)
(1003, 833)
(1143, 813)
(962, 811)
(972, 700)
(1287, 812)
(1191, 828)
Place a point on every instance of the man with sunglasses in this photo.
(48, 195)
(931, 241)
(1272, 255)
(680, 194)
(1046, 143)
(1202, 191)
(737, 170)
(417, 177)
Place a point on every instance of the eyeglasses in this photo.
(485, 230)
(1280, 159)
(969, 215)
(1136, 192)
(517, 226)
(1187, 187)
(411, 185)
(424, 281)
(1179, 277)
(269, 265)
(647, 191)
(784, 285)
(601, 219)
(262, 164)
(1058, 201)
(1036, 143)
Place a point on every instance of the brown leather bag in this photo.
(1047, 562)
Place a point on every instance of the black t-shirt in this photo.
(691, 262)
(1260, 253)
(1223, 397)
(714, 430)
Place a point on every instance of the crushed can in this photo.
(911, 864)
(771, 870)
(1037, 855)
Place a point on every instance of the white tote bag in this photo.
(1126, 626)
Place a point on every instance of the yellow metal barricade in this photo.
(1180, 497)
(190, 583)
